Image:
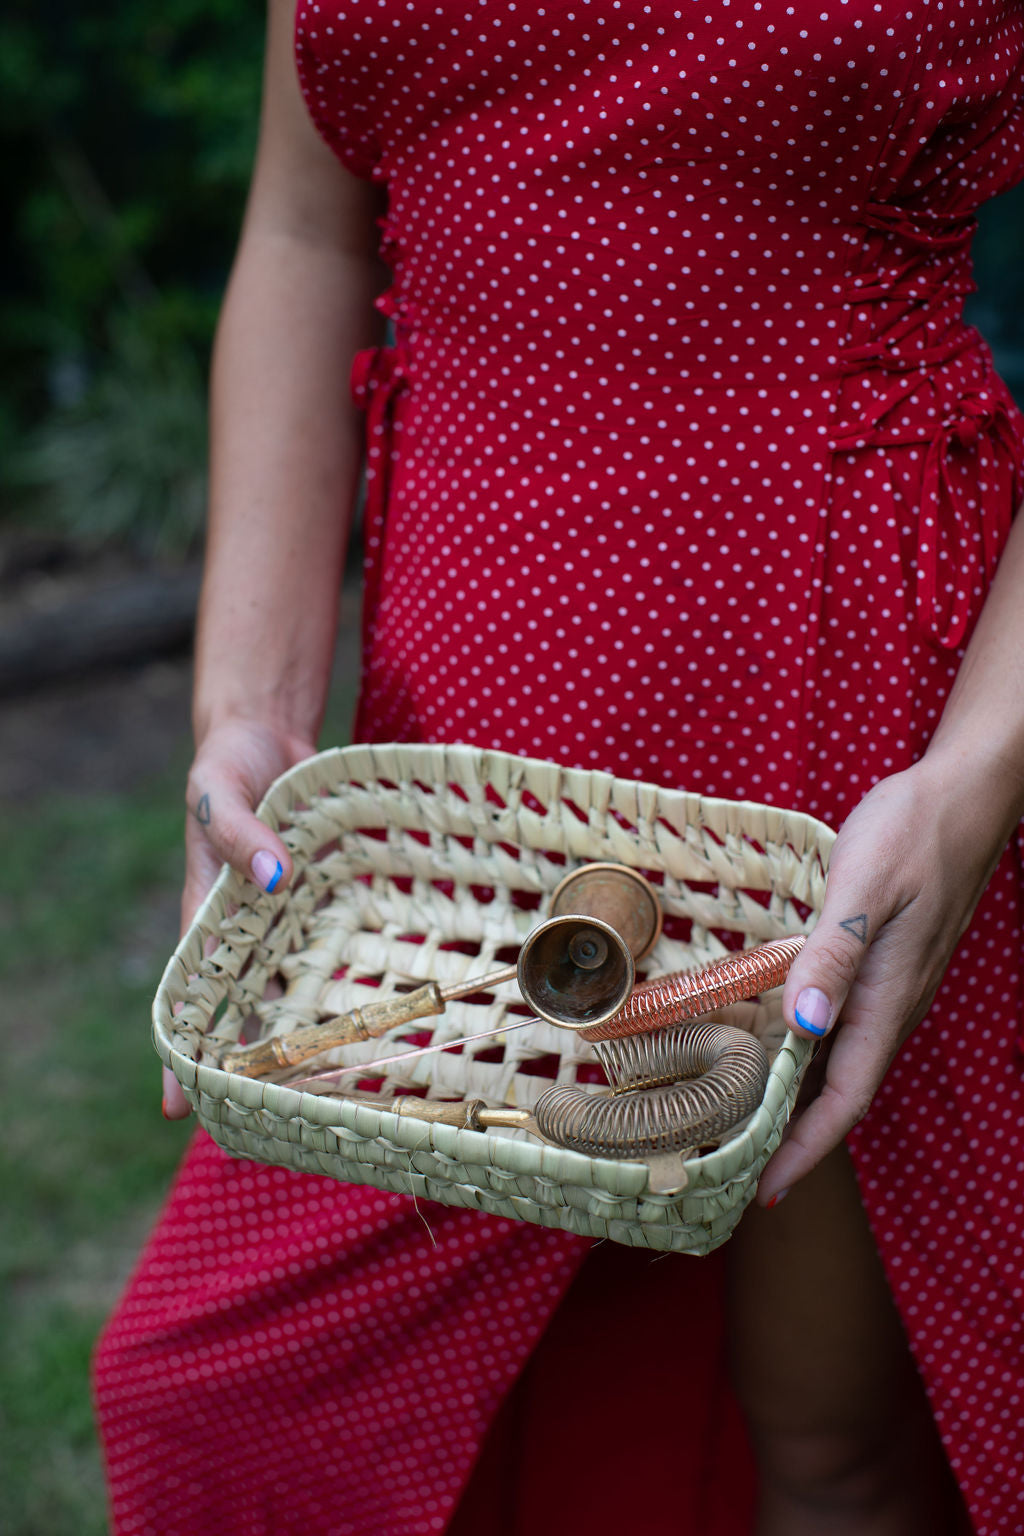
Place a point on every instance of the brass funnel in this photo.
(575, 971)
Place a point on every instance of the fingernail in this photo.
(266, 870)
(163, 1109)
(775, 1199)
(813, 1011)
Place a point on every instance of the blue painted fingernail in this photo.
(266, 871)
(813, 1011)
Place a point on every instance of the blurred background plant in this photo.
(127, 135)
(123, 460)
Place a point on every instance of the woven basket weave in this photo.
(416, 862)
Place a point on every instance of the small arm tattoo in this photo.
(858, 926)
(202, 812)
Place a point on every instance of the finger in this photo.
(826, 968)
(202, 866)
(857, 1063)
(175, 1104)
(221, 808)
(892, 992)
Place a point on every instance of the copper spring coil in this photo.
(689, 994)
(649, 1109)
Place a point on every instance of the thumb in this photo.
(823, 972)
(222, 828)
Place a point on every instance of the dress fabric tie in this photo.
(926, 381)
(379, 376)
(965, 515)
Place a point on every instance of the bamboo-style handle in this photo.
(347, 1029)
(467, 1114)
(461, 1112)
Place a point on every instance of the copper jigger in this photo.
(669, 1000)
(575, 970)
(617, 895)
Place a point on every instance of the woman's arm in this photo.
(285, 456)
(285, 440)
(906, 874)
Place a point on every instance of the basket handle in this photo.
(364, 1023)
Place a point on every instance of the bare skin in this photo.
(839, 1421)
(285, 457)
(821, 1361)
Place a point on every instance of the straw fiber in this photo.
(418, 862)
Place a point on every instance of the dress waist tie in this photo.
(378, 377)
(962, 525)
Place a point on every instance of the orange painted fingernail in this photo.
(163, 1109)
(773, 1202)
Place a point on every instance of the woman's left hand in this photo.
(905, 875)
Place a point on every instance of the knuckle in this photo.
(849, 1106)
(222, 833)
(228, 841)
(858, 1108)
(840, 960)
(192, 785)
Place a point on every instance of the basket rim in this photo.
(532, 1158)
(467, 766)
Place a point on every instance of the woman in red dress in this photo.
(682, 465)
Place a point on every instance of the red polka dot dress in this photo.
(683, 465)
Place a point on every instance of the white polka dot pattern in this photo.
(278, 1360)
(684, 465)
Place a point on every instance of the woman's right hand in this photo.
(234, 766)
(286, 446)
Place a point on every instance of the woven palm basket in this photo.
(418, 862)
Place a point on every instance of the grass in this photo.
(88, 892)
(88, 915)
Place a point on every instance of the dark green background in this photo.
(126, 135)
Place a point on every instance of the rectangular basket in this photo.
(418, 862)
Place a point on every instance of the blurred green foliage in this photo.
(88, 898)
(126, 138)
(126, 461)
(89, 887)
(997, 309)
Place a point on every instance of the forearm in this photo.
(285, 454)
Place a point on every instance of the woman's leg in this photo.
(837, 1413)
(623, 1421)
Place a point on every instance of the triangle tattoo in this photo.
(858, 926)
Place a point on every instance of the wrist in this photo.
(277, 680)
(980, 774)
(290, 720)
